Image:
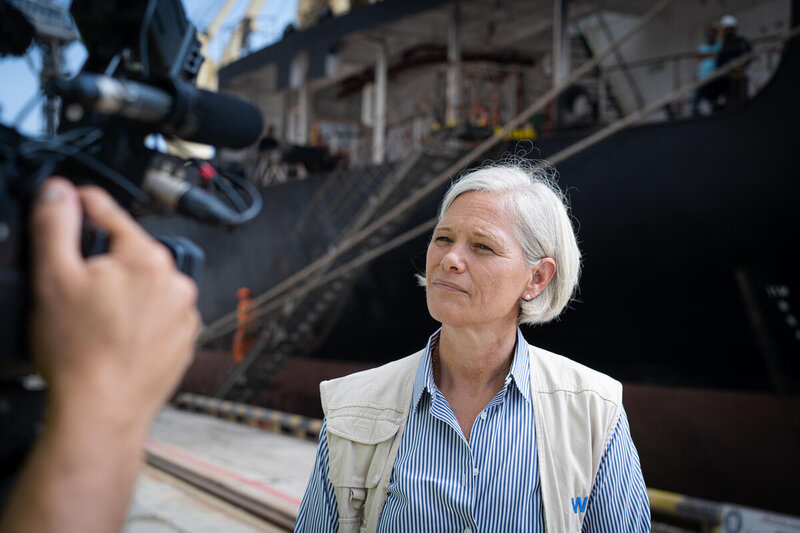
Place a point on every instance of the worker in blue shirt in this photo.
(707, 63)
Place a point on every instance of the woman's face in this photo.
(475, 269)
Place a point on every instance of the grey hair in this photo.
(542, 226)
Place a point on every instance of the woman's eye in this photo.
(483, 247)
(443, 239)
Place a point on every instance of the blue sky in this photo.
(20, 75)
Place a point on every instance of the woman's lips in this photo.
(448, 287)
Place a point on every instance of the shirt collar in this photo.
(521, 367)
(519, 374)
(423, 379)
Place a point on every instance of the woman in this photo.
(480, 431)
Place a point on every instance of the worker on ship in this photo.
(245, 335)
(480, 430)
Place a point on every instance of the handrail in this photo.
(691, 54)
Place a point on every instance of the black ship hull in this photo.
(689, 292)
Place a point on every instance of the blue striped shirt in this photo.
(442, 482)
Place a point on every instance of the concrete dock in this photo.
(256, 469)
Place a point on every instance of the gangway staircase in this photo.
(349, 200)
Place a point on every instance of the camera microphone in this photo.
(178, 109)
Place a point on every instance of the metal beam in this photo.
(304, 113)
(379, 128)
(561, 65)
(453, 112)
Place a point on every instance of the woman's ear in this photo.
(540, 277)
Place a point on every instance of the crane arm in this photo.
(233, 50)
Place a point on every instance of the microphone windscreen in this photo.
(219, 120)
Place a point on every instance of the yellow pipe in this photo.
(664, 501)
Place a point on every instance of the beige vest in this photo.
(576, 410)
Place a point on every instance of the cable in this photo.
(255, 208)
(100, 168)
(224, 187)
(69, 139)
(112, 66)
(147, 19)
(53, 151)
(73, 135)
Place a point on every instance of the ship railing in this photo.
(407, 133)
(330, 210)
(404, 136)
(681, 68)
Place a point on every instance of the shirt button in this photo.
(483, 415)
(467, 530)
(474, 471)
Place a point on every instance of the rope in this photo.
(347, 267)
(677, 94)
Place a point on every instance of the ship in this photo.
(687, 224)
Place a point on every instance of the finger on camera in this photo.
(55, 232)
(109, 216)
(186, 289)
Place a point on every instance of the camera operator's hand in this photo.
(118, 327)
(112, 335)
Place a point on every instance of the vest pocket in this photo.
(357, 457)
(357, 453)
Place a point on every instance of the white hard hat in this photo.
(728, 21)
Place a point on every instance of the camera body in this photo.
(137, 81)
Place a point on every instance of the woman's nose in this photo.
(453, 261)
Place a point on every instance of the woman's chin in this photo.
(448, 315)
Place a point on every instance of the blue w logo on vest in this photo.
(579, 504)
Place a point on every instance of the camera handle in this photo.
(189, 257)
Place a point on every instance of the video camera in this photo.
(139, 80)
